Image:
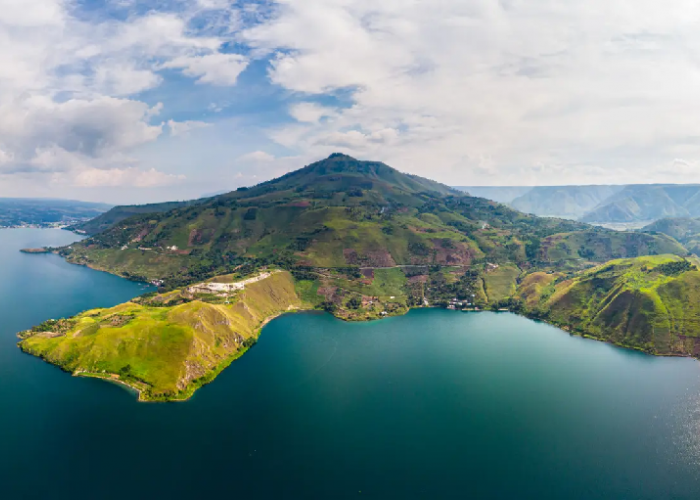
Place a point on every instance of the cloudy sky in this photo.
(133, 101)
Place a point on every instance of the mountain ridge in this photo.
(341, 212)
(631, 203)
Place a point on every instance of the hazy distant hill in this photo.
(599, 204)
(503, 194)
(45, 212)
(648, 202)
(117, 214)
(570, 202)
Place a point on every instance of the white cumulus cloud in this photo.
(216, 69)
(183, 128)
(68, 86)
(601, 84)
(130, 176)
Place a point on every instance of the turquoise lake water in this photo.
(434, 404)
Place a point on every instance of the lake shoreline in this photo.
(347, 316)
(211, 376)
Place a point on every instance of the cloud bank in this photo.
(467, 92)
(67, 85)
(503, 92)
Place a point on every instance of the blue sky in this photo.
(131, 101)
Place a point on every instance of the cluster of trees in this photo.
(54, 325)
(441, 292)
(675, 268)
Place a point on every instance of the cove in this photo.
(434, 404)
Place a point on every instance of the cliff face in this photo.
(168, 345)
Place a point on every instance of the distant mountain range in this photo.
(18, 212)
(119, 213)
(505, 194)
(599, 204)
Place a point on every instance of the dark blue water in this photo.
(435, 404)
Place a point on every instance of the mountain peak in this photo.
(341, 156)
(359, 180)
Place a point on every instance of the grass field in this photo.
(500, 283)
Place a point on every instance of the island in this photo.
(36, 250)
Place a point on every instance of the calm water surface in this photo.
(435, 404)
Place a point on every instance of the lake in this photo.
(434, 404)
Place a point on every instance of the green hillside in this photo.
(343, 212)
(602, 245)
(166, 345)
(650, 303)
(685, 230)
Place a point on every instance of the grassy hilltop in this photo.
(168, 345)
